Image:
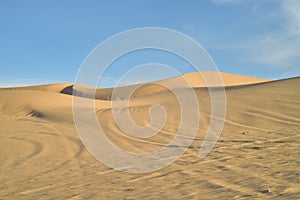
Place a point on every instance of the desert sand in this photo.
(256, 156)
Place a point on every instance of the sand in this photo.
(256, 157)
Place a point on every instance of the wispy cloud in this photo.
(292, 10)
(272, 49)
(277, 48)
(281, 48)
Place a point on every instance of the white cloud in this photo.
(273, 50)
(277, 48)
(292, 10)
(281, 48)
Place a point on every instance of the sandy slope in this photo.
(256, 157)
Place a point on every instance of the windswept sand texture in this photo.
(256, 157)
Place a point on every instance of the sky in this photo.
(47, 41)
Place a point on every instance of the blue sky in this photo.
(47, 41)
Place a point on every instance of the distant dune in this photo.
(256, 157)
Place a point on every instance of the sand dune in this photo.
(256, 157)
(194, 79)
(47, 88)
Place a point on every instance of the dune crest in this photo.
(194, 79)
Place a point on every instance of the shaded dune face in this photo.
(256, 157)
(67, 90)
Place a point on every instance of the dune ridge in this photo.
(194, 79)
